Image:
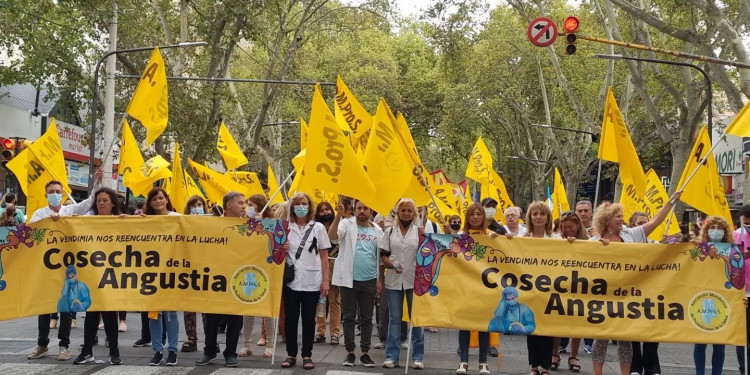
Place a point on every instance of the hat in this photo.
(488, 200)
(70, 269)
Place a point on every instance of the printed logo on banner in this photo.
(709, 311)
(250, 284)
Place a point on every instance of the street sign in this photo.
(542, 32)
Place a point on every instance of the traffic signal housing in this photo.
(8, 150)
(570, 28)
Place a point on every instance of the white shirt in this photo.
(629, 235)
(308, 271)
(521, 230)
(403, 248)
(344, 266)
(75, 209)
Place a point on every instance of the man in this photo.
(356, 274)
(490, 209)
(234, 206)
(583, 209)
(512, 225)
(54, 193)
(10, 215)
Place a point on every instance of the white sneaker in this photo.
(418, 365)
(389, 363)
(463, 367)
(484, 369)
(379, 345)
(635, 373)
(64, 354)
(404, 345)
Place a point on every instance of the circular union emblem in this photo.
(709, 311)
(249, 284)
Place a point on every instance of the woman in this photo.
(104, 205)
(196, 205)
(715, 229)
(158, 203)
(571, 229)
(308, 253)
(474, 223)
(324, 215)
(609, 227)
(10, 216)
(398, 253)
(255, 203)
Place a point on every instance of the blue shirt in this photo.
(366, 254)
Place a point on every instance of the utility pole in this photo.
(109, 104)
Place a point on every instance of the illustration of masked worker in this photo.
(75, 294)
(512, 317)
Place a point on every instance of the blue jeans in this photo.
(717, 359)
(395, 312)
(173, 328)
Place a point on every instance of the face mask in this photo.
(405, 223)
(512, 303)
(715, 235)
(326, 218)
(197, 211)
(54, 200)
(301, 210)
(746, 227)
(250, 212)
(455, 226)
(490, 212)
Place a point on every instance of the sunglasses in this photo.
(568, 213)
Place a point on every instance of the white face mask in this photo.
(490, 212)
(250, 212)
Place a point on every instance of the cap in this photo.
(488, 200)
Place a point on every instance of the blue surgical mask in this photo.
(715, 235)
(301, 210)
(512, 302)
(197, 211)
(250, 212)
(54, 199)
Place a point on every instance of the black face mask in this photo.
(405, 223)
(455, 226)
(326, 218)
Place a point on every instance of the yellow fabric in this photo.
(215, 184)
(494, 187)
(302, 134)
(480, 162)
(182, 185)
(559, 197)
(229, 149)
(740, 126)
(631, 171)
(249, 180)
(351, 116)
(150, 104)
(656, 197)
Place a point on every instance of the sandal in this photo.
(307, 364)
(544, 372)
(189, 346)
(245, 352)
(431, 329)
(555, 363)
(268, 353)
(334, 340)
(573, 364)
(319, 339)
(289, 362)
(534, 372)
(262, 341)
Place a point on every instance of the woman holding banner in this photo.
(158, 203)
(308, 257)
(196, 205)
(398, 253)
(609, 227)
(105, 205)
(475, 222)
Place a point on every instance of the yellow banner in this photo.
(636, 292)
(224, 265)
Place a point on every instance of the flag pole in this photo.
(596, 191)
(275, 193)
(275, 338)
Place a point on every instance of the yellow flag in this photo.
(38, 164)
(183, 186)
(192, 186)
(704, 191)
(303, 129)
(149, 103)
(444, 193)
(405, 133)
(331, 164)
(480, 162)
(229, 150)
(631, 171)
(559, 197)
(249, 180)
(350, 115)
(387, 162)
(131, 160)
(656, 197)
(152, 170)
(273, 185)
(607, 143)
(215, 184)
(440, 177)
(740, 126)
(494, 187)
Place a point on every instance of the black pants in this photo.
(361, 294)
(63, 331)
(91, 326)
(742, 350)
(646, 361)
(295, 304)
(540, 351)
(146, 331)
(234, 326)
(57, 317)
(383, 313)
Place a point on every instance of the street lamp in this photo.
(709, 90)
(94, 100)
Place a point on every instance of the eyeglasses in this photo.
(569, 213)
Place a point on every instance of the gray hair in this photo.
(584, 202)
(513, 208)
(232, 195)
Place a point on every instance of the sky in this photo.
(413, 7)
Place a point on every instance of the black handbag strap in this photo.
(304, 239)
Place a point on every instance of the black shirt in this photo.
(497, 227)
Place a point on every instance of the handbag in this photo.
(289, 268)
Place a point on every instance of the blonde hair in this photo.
(634, 217)
(716, 220)
(281, 213)
(295, 199)
(469, 211)
(544, 208)
(581, 234)
(604, 212)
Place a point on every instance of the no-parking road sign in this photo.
(542, 32)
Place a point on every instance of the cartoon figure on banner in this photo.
(276, 230)
(511, 316)
(13, 237)
(75, 294)
(732, 257)
(250, 284)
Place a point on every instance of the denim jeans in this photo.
(395, 312)
(717, 359)
(173, 328)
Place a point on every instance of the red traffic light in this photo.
(571, 24)
(9, 144)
